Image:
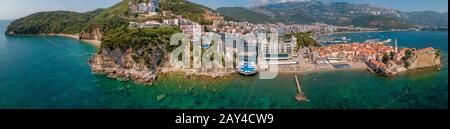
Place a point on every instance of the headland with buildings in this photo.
(287, 55)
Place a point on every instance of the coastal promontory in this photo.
(125, 52)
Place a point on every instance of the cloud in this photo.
(264, 2)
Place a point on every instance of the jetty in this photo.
(300, 96)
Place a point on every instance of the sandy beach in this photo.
(306, 68)
(96, 43)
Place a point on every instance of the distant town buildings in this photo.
(149, 7)
(379, 58)
(147, 24)
(373, 53)
(189, 27)
(351, 52)
(281, 29)
(172, 22)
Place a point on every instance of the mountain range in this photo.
(335, 13)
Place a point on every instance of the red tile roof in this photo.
(424, 50)
(379, 64)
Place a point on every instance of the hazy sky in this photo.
(12, 9)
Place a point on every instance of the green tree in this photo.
(391, 55)
(386, 58)
(407, 57)
(438, 53)
(303, 40)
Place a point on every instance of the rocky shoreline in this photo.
(121, 66)
(94, 42)
(216, 73)
(126, 70)
(104, 65)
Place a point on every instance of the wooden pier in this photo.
(300, 96)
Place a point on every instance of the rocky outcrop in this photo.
(427, 58)
(143, 64)
(120, 65)
(95, 34)
(11, 33)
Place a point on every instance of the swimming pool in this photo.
(247, 69)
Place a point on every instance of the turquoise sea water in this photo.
(52, 72)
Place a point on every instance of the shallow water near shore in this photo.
(52, 72)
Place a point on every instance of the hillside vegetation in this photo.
(124, 38)
(111, 18)
(304, 40)
(101, 20)
(144, 44)
(52, 22)
(110, 25)
(380, 22)
(242, 14)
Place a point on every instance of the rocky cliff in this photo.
(120, 65)
(95, 34)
